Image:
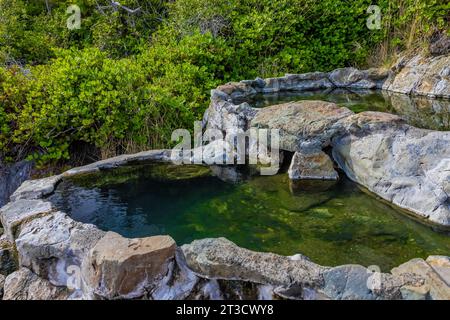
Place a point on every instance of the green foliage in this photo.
(124, 81)
(29, 29)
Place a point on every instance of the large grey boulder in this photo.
(420, 75)
(54, 246)
(25, 285)
(406, 166)
(303, 124)
(436, 80)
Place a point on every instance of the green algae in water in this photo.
(340, 225)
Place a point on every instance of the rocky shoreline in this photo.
(44, 254)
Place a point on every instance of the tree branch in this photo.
(116, 4)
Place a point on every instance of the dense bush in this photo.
(124, 81)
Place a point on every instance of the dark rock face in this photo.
(8, 262)
(439, 43)
(11, 177)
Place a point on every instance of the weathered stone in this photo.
(402, 164)
(345, 77)
(439, 289)
(17, 212)
(237, 90)
(415, 293)
(300, 82)
(312, 165)
(178, 283)
(441, 265)
(363, 84)
(216, 152)
(347, 282)
(54, 245)
(306, 76)
(409, 73)
(127, 268)
(25, 285)
(422, 76)
(302, 123)
(2, 283)
(354, 282)
(436, 79)
(151, 156)
(35, 189)
(376, 74)
(8, 261)
(228, 117)
(439, 43)
(222, 259)
(230, 174)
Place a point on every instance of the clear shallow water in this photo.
(418, 111)
(336, 226)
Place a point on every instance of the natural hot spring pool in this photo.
(338, 226)
(418, 111)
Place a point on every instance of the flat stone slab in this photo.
(36, 189)
(221, 258)
(303, 123)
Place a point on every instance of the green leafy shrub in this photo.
(124, 81)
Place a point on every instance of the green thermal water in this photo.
(336, 226)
